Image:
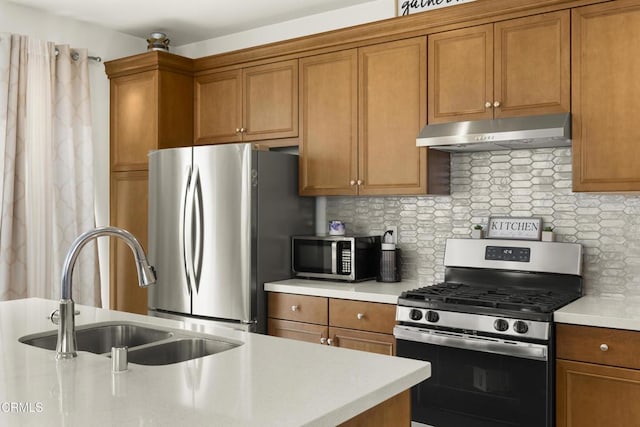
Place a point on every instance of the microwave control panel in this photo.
(345, 258)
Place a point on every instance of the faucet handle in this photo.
(55, 316)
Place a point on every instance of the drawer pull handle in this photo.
(295, 308)
(360, 316)
(604, 347)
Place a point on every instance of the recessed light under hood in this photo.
(551, 130)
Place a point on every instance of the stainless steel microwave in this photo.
(349, 258)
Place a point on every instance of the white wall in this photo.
(374, 10)
(107, 44)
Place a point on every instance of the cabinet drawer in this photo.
(301, 308)
(364, 316)
(614, 347)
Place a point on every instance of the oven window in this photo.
(312, 256)
(477, 389)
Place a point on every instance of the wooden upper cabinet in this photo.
(511, 68)
(329, 124)
(532, 65)
(606, 92)
(270, 106)
(360, 113)
(151, 107)
(460, 74)
(218, 107)
(392, 110)
(251, 104)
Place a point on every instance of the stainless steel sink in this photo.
(147, 345)
(100, 338)
(178, 350)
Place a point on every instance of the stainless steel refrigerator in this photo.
(220, 225)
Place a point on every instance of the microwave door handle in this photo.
(334, 257)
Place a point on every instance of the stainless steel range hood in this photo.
(552, 130)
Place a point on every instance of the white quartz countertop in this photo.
(369, 290)
(267, 381)
(601, 311)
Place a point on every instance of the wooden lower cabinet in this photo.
(366, 341)
(596, 395)
(597, 376)
(300, 331)
(129, 194)
(356, 325)
(394, 412)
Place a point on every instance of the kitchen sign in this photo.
(407, 7)
(514, 228)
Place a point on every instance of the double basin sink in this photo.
(147, 345)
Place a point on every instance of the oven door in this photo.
(477, 381)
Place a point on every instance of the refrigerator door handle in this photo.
(197, 230)
(186, 239)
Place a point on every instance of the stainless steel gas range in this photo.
(488, 332)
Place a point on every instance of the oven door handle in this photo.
(523, 350)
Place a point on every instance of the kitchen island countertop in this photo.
(369, 290)
(605, 312)
(267, 381)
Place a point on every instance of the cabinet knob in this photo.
(323, 340)
(360, 316)
(604, 347)
(496, 104)
(487, 104)
(295, 308)
(352, 183)
(237, 130)
(329, 341)
(243, 130)
(360, 182)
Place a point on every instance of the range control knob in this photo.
(501, 325)
(432, 316)
(415, 314)
(520, 327)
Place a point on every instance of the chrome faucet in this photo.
(66, 346)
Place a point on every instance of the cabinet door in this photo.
(129, 192)
(328, 124)
(362, 315)
(532, 69)
(270, 107)
(460, 75)
(596, 395)
(308, 332)
(605, 93)
(302, 308)
(392, 110)
(134, 120)
(365, 341)
(218, 107)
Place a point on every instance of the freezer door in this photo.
(170, 186)
(222, 232)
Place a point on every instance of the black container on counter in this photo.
(389, 270)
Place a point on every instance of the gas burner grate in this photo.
(507, 298)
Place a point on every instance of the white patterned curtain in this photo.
(46, 172)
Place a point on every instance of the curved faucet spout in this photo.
(66, 346)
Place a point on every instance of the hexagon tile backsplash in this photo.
(508, 183)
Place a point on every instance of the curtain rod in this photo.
(76, 55)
